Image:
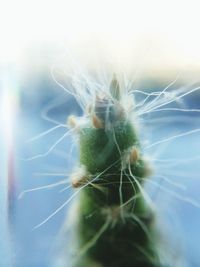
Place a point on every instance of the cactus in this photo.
(115, 218)
(115, 223)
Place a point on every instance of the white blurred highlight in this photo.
(7, 112)
(161, 32)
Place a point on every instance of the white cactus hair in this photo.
(86, 81)
(86, 86)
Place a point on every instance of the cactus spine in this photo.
(115, 223)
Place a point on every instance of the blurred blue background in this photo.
(40, 99)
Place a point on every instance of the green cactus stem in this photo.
(115, 221)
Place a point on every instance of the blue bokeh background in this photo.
(36, 248)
